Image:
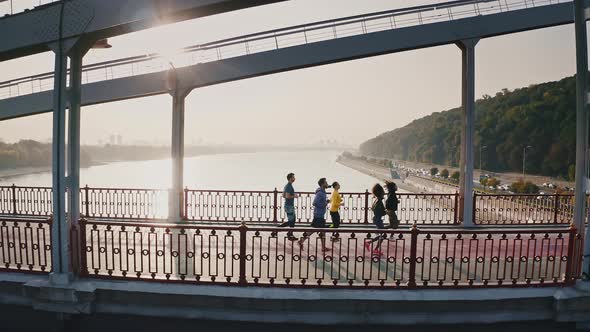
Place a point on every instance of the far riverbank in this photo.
(379, 172)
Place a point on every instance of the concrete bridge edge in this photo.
(300, 306)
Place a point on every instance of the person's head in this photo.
(323, 183)
(391, 186)
(336, 185)
(378, 191)
(291, 177)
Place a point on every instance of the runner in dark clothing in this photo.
(391, 204)
(378, 214)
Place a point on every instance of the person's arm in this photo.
(289, 195)
(381, 208)
(316, 200)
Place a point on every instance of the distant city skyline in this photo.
(348, 102)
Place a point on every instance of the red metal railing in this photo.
(265, 256)
(123, 203)
(25, 201)
(267, 206)
(522, 209)
(25, 245)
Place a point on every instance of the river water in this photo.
(236, 171)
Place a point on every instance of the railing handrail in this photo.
(127, 189)
(266, 34)
(44, 219)
(529, 195)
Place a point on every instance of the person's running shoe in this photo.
(377, 253)
(331, 226)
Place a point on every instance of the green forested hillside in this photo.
(542, 116)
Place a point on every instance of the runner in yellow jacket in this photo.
(336, 202)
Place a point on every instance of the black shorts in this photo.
(335, 218)
(318, 222)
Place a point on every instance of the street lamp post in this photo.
(481, 147)
(524, 159)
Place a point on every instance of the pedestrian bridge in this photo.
(111, 251)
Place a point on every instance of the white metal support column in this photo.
(59, 243)
(73, 148)
(467, 130)
(177, 158)
(175, 199)
(581, 124)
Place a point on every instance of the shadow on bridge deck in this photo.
(16, 318)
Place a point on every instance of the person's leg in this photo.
(291, 216)
(369, 242)
(395, 220)
(390, 217)
(291, 221)
(302, 240)
(322, 235)
(335, 224)
(332, 218)
(379, 224)
(379, 238)
(336, 219)
(288, 211)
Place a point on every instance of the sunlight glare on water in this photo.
(236, 171)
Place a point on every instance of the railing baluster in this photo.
(86, 202)
(14, 211)
(366, 206)
(569, 266)
(556, 208)
(275, 200)
(413, 256)
(185, 214)
(473, 215)
(243, 238)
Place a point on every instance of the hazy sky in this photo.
(349, 102)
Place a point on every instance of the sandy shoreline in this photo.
(14, 172)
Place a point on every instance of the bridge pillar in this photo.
(175, 196)
(467, 131)
(73, 157)
(581, 125)
(59, 243)
(66, 98)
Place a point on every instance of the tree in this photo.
(484, 181)
(517, 187)
(433, 171)
(456, 175)
(444, 173)
(493, 182)
(539, 113)
(522, 187)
